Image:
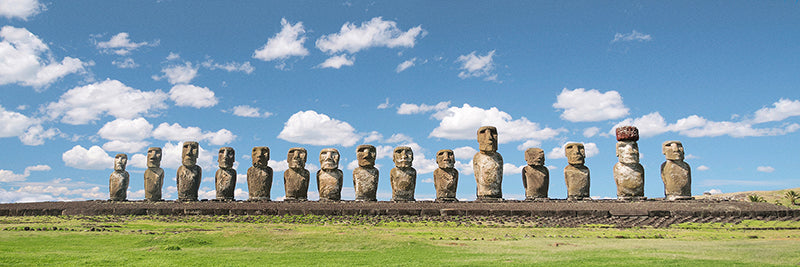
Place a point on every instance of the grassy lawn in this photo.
(319, 240)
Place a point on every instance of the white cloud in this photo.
(384, 152)
(406, 108)
(279, 166)
(120, 44)
(287, 43)
(171, 158)
(591, 131)
(529, 144)
(649, 125)
(126, 129)
(173, 56)
(176, 132)
(21, 9)
(384, 105)
(128, 63)
(187, 95)
(178, 74)
(27, 61)
(372, 137)
(374, 33)
(398, 137)
(405, 65)
(337, 62)
(703, 168)
(633, 36)
(229, 66)
(509, 168)
(312, 128)
(462, 124)
(558, 152)
(95, 158)
(465, 168)
(14, 123)
(427, 181)
(35, 135)
(9, 176)
(781, 110)
(581, 105)
(85, 104)
(766, 169)
(465, 152)
(477, 66)
(248, 111)
(125, 146)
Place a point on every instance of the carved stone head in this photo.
(226, 157)
(534, 156)
(403, 157)
(576, 153)
(297, 158)
(154, 157)
(190, 152)
(366, 155)
(260, 156)
(120, 161)
(487, 139)
(673, 150)
(329, 159)
(628, 151)
(446, 159)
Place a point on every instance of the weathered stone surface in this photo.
(627, 133)
(226, 175)
(628, 173)
(403, 177)
(445, 178)
(576, 174)
(535, 176)
(189, 174)
(676, 174)
(118, 182)
(488, 165)
(365, 177)
(259, 176)
(329, 177)
(154, 175)
(296, 178)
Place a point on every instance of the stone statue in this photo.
(154, 175)
(295, 179)
(535, 176)
(365, 177)
(329, 176)
(403, 177)
(576, 174)
(488, 166)
(259, 177)
(676, 174)
(226, 174)
(628, 173)
(189, 174)
(118, 182)
(445, 178)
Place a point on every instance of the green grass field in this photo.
(320, 240)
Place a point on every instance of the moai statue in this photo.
(154, 175)
(329, 176)
(295, 179)
(226, 175)
(576, 174)
(676, 173)
(445, 178)
(365, 177)
(118, 182)
(535, 176)
(488, 166)
(189, 174)
(259, 177)
(403, 177)
(628, 173)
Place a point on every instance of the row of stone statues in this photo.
(487, 166)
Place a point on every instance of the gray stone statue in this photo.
(576, 174)
(189, 174)
(365, 177)
(535, 176)
(628, 173)
(295, 179)
(488, 166)
(259, 177)
(226, 175)
(676, 174)
(403, 177)
(118, 182)
(154, 175)
(329, 176)
(445, 178)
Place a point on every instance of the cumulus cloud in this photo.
(95, 158)
(126, 129)
(176, 132)
(120, 44)
(337, 62)
(509, 168)
(559, 152)
(14, 123)
(398, 137)
(35, 135)
(477, 66)
(85, 104)
(312, 128)
(229, 66)
(125, 146)
(372, 137)
(633, 36)
(374, 33)
(187, 95)
(465, 152)
(766, 169)
(461, 124)
(127, 63)
(27, 61)
(10, 176)
(591, 131)
(779, 111)
(582, 105)
(248, 111)
(287, 43)
(20, 9)
(529, 144)
(405, 65)
(703, 168)
(178, 74)
(406, 108)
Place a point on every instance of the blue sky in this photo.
(85, 80)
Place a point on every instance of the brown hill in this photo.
(776, 197)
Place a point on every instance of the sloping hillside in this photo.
(769, 196)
